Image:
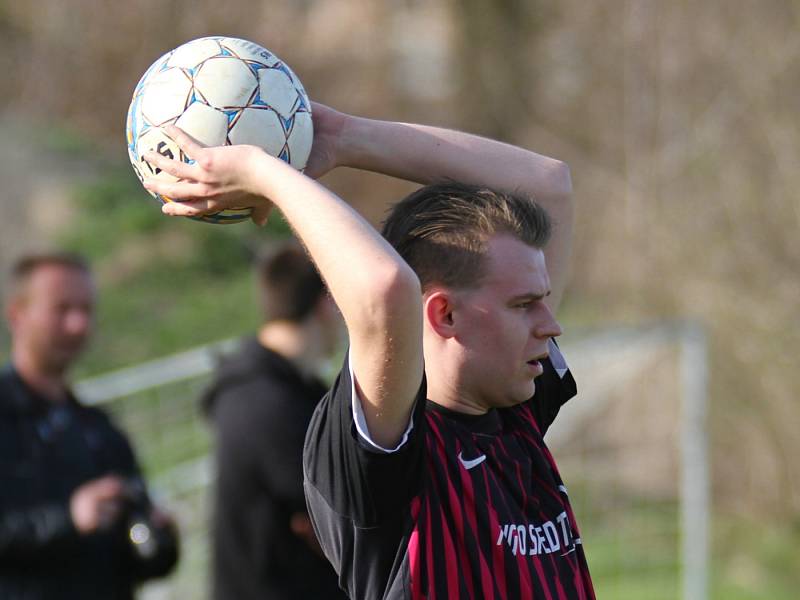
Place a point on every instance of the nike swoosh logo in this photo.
(471, 463)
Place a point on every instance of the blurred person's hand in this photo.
(97, 504)
(301, 526)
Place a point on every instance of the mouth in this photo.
(536, 363)
(539, 358)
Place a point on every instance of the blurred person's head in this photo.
(50, 311)
(479, 256)
(293, 293)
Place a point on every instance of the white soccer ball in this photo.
(221, 91)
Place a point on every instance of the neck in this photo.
(445, 386)
(51, 384)
(300, 343)
(445, 394)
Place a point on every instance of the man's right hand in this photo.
(97, 504)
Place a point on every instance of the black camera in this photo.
(145, 537)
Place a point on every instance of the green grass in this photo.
(165, 425)
(756, 558)
(166, 284)
(633, 552)
(168, 313)
(631, 547)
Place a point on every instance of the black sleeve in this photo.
(552, 391)
(33, 529)
(359, 482)
(260, 426)
(36, 534)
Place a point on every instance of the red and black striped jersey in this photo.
(469, 507)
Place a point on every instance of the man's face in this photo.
(504, 325)
(51, 318)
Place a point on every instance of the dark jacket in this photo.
(260, 406)
(46, 452)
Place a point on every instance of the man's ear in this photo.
(11, 312)
(438, 307)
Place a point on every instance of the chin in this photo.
(513, 400)
(525, 394)
(59, 364)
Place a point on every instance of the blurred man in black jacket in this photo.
(261, 403)
(75, 519)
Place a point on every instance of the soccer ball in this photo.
(221, 91)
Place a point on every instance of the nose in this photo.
(78, 322)
(546, 325)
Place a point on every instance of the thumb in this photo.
(108, 487)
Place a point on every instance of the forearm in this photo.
(426, 154)
(27, 536)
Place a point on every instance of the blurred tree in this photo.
(497, 81)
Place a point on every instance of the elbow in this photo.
(559, 180)
(396, 292)
(381, 299)
(555, 192)
(401, 288)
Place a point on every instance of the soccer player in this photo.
(426, 472)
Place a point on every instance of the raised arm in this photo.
(429, 154)
(378, 293)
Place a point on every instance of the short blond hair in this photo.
(442, 230)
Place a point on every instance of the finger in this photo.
(312, 171)
(260, 214)
(177, 190)
(187, 143)
(108, 487)
(176, 168)
(188, 208)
